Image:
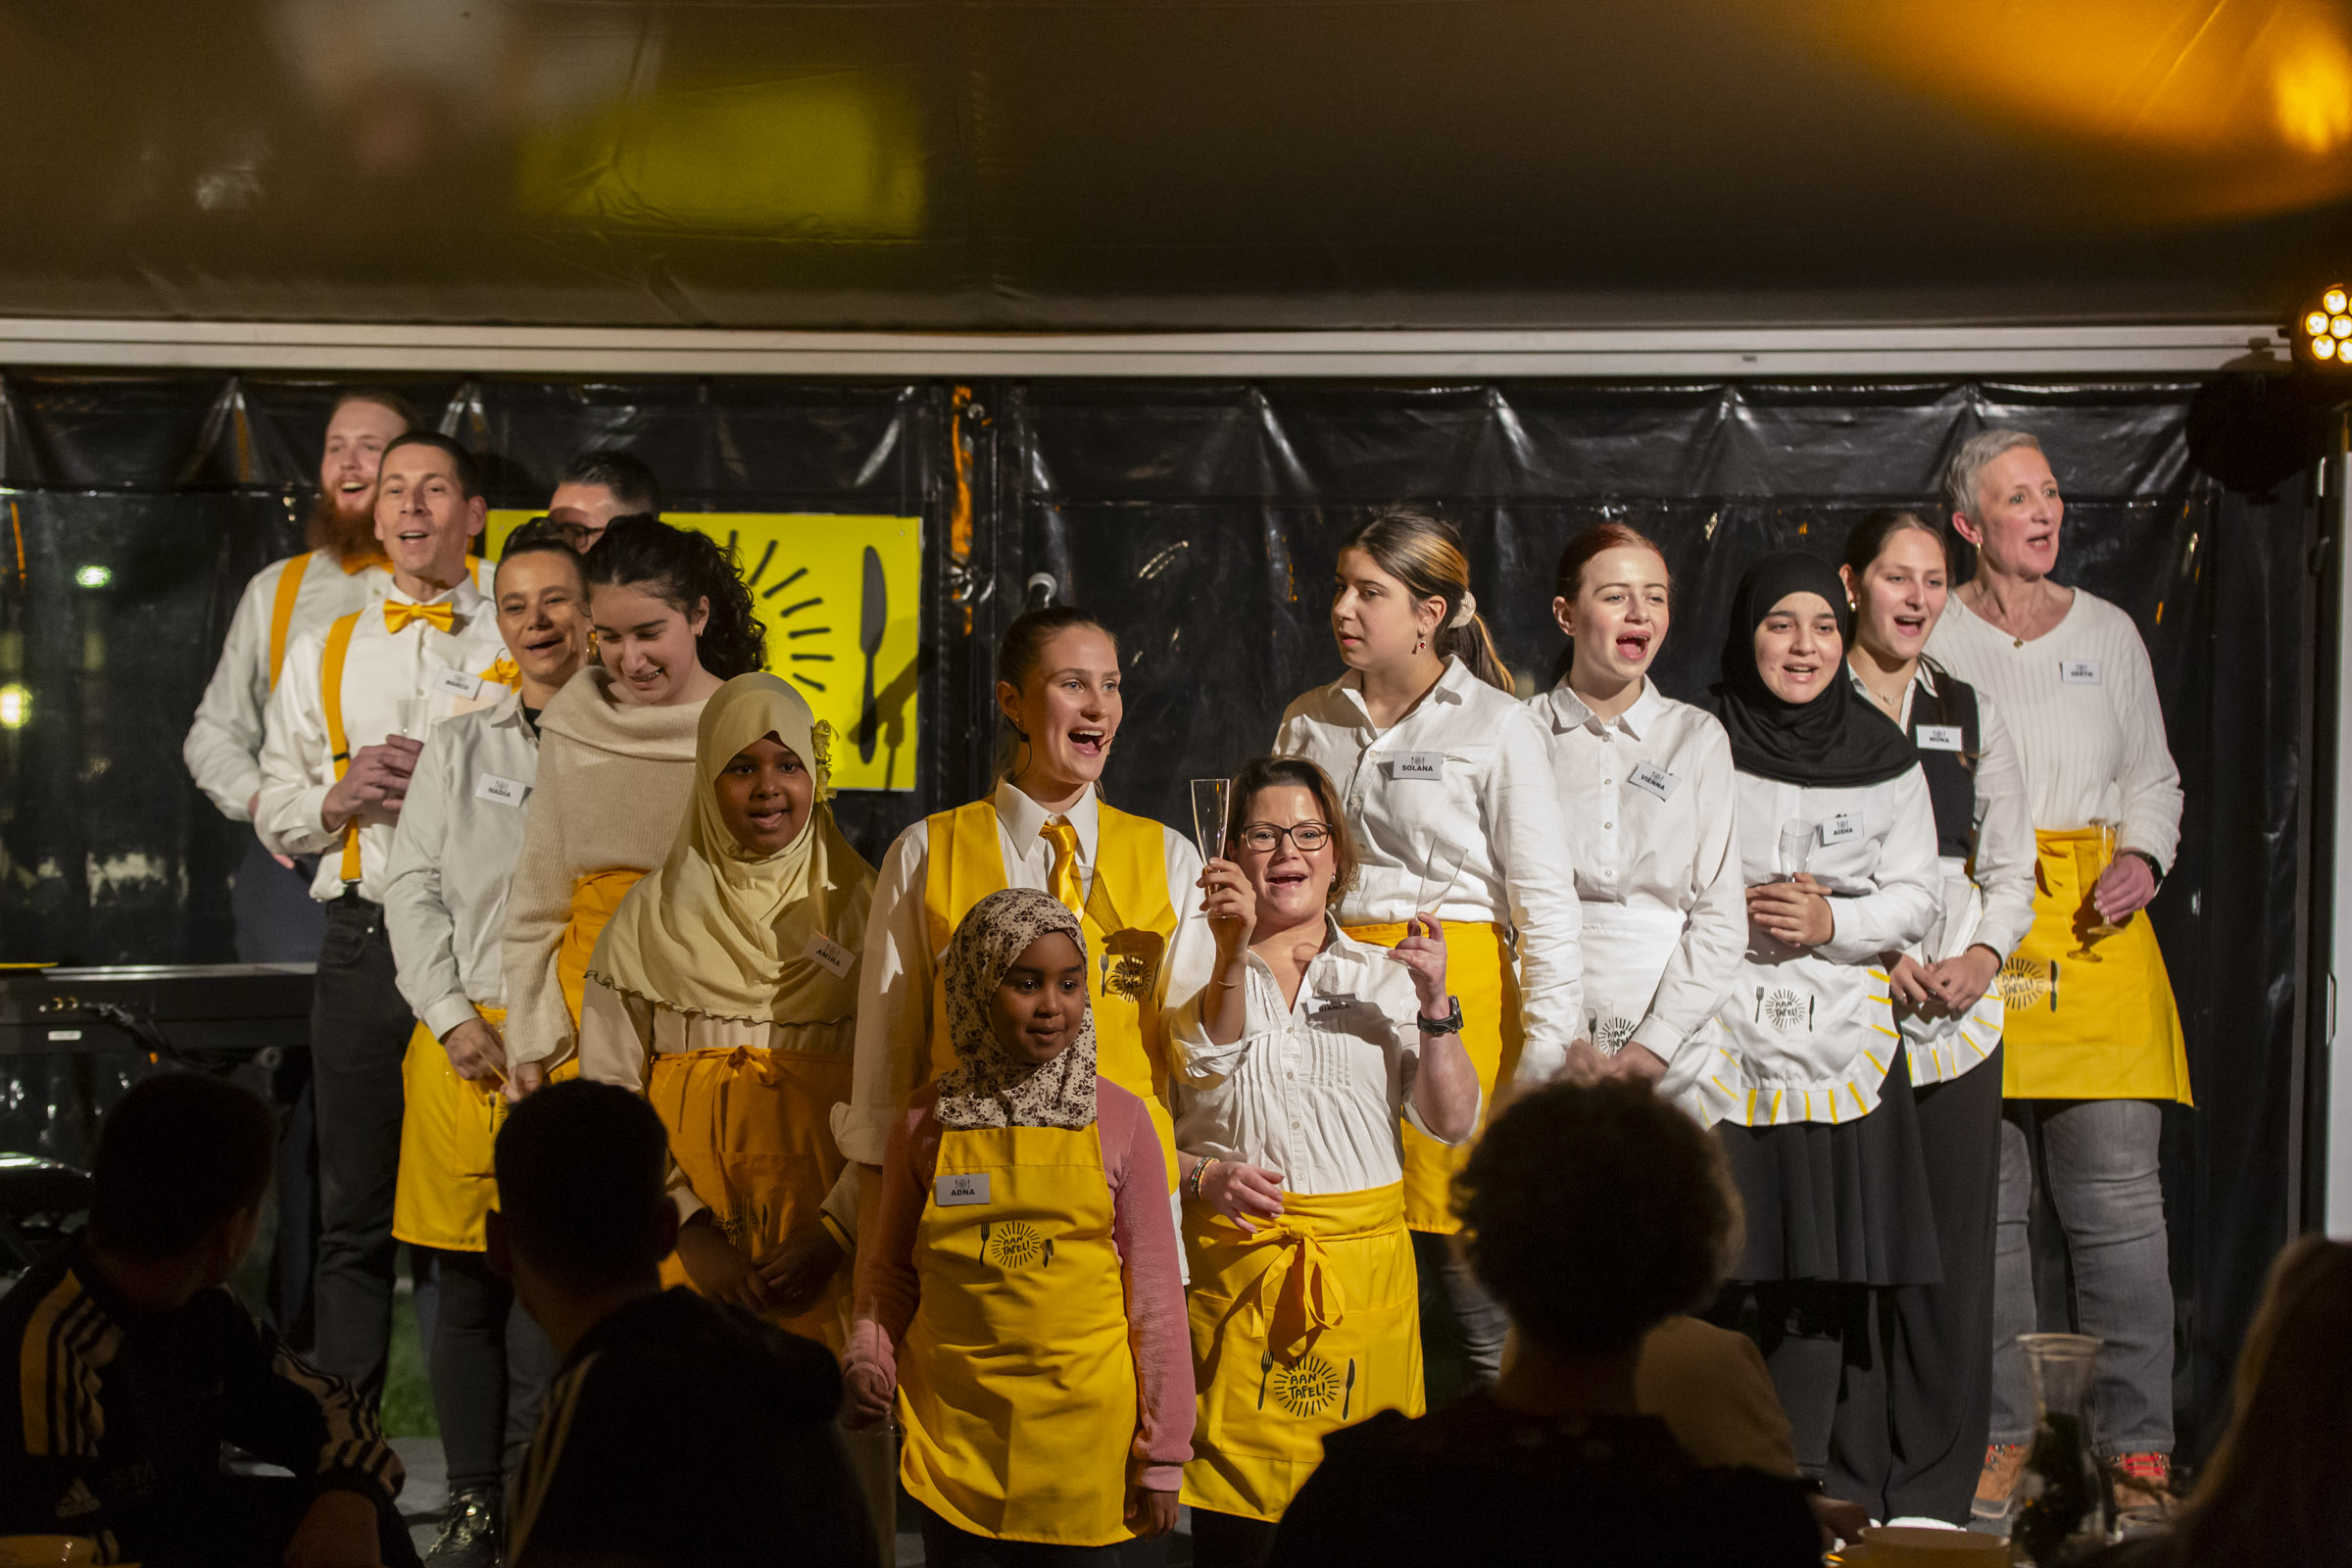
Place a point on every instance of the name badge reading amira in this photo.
(829, 955)
(1429, 765)
(2078, 672)
(1651, 777)
(1838, 829)
(456, 683)
(500, 791)
(1938, 737)
(951, 1190)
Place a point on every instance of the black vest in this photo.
(1951, 783)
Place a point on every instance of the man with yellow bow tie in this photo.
(345, 724)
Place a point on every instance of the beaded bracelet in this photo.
(1193, 1182)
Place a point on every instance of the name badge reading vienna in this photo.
(456, 683)
(1838, 829)
(1940, 737)
(500, 791)
(834, 958)
(953, 1189)
(1419, 765)
(2078, 672)
(1653, 778)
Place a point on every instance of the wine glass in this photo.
(1796, 847)
(1211, 799)
(1438, 873)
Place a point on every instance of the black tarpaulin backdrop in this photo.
(1201, 520)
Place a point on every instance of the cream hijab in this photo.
(714, 932)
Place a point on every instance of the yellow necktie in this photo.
(398, 613)
(1062, 880)
(506, 671)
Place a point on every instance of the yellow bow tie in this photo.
(398, 613)
(506, 671)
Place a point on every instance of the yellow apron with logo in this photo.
(750, 1129)
(1016, 1383)
(1479, 971)
(448, 1131)
(1309, 1323)
(594, 898)
(1129, 923)
(2088, 1018)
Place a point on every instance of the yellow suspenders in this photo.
(330, 693)
(281, 610)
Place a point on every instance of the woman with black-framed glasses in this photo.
(1290, 1072)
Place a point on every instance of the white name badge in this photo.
(456, 683)
(1653, 778)
(1940, 737)
(1838, 829)
(2078, 672)
(1418, 764)
(953, 1189)
(500, 791)
(1338, 1003)
(835, 960)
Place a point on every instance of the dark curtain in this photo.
(1201, 519)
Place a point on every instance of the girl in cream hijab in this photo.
(725, 990)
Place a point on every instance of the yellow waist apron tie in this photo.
(448, 1131)
(1016, 1383)
(1129, 925)
(750, 1130)
(1479, 971)
(594, 898)
(2088, 1018)
(1309, 1323)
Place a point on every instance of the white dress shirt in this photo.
(380, 670)
(223, 747)
(1313, 1090)
(453, 856)
(894, 983)
(1806, 1034)
(1467, 774)
(2080, 701)
(1649, 806)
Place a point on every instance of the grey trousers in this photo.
(2098, 1158)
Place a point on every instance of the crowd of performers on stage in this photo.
(1110, 1178)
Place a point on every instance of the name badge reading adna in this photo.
(1653, 778)
(500, 791)
(1940, 737)
(834, 958)
(952, 1189)
(1838, 829)
(456, 683)
(2078, 672)
(1418, 764)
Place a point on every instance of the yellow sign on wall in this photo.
(840, 598)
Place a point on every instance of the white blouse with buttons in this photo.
(1314, 1089)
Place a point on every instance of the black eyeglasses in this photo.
(1264, 837)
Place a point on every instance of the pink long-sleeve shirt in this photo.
(1140, 1226)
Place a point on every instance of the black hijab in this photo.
(1832, 742)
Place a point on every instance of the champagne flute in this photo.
(1212, 797)
(2093, 857)
(1438, 873)
(1796, 847)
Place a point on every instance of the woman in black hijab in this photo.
(1802, 1073)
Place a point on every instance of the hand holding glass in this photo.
(1211, 799)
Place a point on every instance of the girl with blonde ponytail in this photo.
(1447, 787)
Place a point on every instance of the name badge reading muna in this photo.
(1430, 766)
(1940, 737)
(2078, 672)
(500, 791)
(1838, 829)
(456, 683)
(832, 957)
(952, 1189)
(1651, 777)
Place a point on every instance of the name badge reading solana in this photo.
(952, 1189)
(1940, 737)
(832, 957)
(1418, 764)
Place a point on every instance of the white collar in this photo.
(1024, 820)
(1569, 710)
(1452, 687)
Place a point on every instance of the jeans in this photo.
(359, 1034)
(491, 1366)
(1462, 1327)
(2099, 1159)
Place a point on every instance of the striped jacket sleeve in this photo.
(49, 1453)
(280, 1408)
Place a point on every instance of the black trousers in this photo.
(1816, 1339)
(491, 1366)
(243, 1522)
(359, 1033)
(1229, 1541)
(1909, 1436)
(946, 1547)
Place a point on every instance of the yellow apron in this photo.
(2088, 1019)
(448, 1129)
(594, 898)
(1479, 971)
(1016, 1384)
(1309, 1323)
(750, 1129)
(1130, 924)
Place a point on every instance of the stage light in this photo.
(2334, 299)
(100, 577)
(2322, 329)
(2324, 347)
(2316, 322)
(16, 706)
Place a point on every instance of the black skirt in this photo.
(1847, 1202)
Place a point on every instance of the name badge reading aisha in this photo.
(1131, 962)
(1838, 829)
(2078, 672)
(952, 1190)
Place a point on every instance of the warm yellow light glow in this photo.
(2316, 322)
(2324, 347)
(16, 706)
(2334, 299)
(2311, 95)
(2340, 326)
